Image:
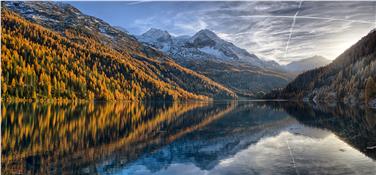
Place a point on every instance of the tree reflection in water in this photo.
(66, 137)
(85, 138)
(355, 125)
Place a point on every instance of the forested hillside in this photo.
(350, 78)
(42, 63)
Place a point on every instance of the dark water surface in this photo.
(234, 137)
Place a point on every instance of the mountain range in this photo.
(205, 44)
(50, 50)
(222, 61)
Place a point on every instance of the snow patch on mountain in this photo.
(215, 52)
(155, 35)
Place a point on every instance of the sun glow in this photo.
(337, 44)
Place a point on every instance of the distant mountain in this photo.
(349, 78)
(60, 53)
(220, 60)
(159, 39)
(307, 64)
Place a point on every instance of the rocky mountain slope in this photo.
(349, 78)
(50, 50)
(220, 60)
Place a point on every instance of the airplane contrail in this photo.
(291, 31)
(308, 17)
(138, 2)
(374, 10)
(292, 28)
(292, 157)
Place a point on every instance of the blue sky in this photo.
(264, 28)
(138, 17)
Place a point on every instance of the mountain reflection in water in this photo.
(234, 137)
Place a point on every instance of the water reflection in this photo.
(354, 125)
(192, 138)
(52, 138)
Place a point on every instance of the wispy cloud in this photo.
(276, 30)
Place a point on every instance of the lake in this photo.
(222, 137)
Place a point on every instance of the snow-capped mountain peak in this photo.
(205, 44)
(157, 38)
(156, 35)
(205, 35)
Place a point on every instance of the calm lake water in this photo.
(234, 137)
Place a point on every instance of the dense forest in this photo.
(42, 64)
(350, 78)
